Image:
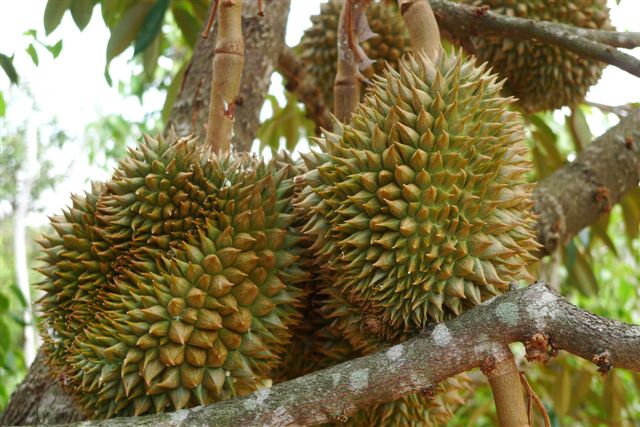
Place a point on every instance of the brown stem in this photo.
(227, 74)
(422, 26)
(504, 379)
(346, 88)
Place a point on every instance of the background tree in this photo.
(587, 258)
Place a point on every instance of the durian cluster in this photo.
(543, 76)
(174, 284)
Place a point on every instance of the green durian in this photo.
(319, 49)
(543, 76)
(420, 205)
(200, 294)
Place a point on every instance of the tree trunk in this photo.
(40, 399)
(264, 39)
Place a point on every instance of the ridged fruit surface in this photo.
(543, 76)
(420, 205)
(197, 301)
(319, 43)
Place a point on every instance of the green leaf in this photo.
(33, 33)
(151, 26)
(150, 58)
(581, 274)
(55, 49)
(579, 129)
(31, 50)
(3, 106)
(81, 11)
(631, 216)
(172, 92)
(126, 29)
(53, 13)
(187, 23)
(7, 65)
(599, 230)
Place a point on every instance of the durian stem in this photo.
(228, 62)
(346, 87)
(504, 378)
(422, 26)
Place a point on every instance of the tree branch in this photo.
(462, 21)
(292, 68)
(575, 195)
(476, 338)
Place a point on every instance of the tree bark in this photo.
(264, 39)
(575, 195)
(475, 338)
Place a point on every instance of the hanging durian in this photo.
(543, 76)
(420, 204)
(195, 297)
(319, 48)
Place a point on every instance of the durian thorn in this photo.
(212, 18)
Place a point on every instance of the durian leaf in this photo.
(6, 63)
(126, 29)
(3, 105)
(188, 24)
(561, 393)
(53, 13)
(172, 92)
(581, 386)
(613, 396)
(55, 49)
(151, 26)
(598, 230)
(581, 274)
(81, 11)
(31, 50)
(631, 216)
(150, 58)
(579, 129)
(200, 9)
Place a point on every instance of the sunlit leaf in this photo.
(53, 13)
(579, 129)
(188, 24)
(6, 63)
(126, 29)
(31, 50)
(3, 105)
(151, 26)
(55, 49)
(81, 11)
(172, 92)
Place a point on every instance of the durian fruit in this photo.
(420, 204)
(319, 48)
(201, 295)
(77, 264)
(543, 76)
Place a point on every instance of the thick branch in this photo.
(463, 21)
(264, 39)
(473, 339)
(575, 195)
(292, 68)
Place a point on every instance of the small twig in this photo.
(623, 39)
(212, 18)
(532, 396)
(463, 20)
(260, 8)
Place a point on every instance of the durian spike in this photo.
(346, 89)
(422, 26)
(228, 62)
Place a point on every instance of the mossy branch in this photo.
(463, 21)
(227, 73)
(536, 315)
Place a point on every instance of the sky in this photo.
(72, 88)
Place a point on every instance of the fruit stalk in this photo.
(228, 62)
(422, 26)
(346, 88)
(506, 387)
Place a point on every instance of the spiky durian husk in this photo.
(543, 76)
(77, 265)
(319, 43)
(420, 204)
(194, 312)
